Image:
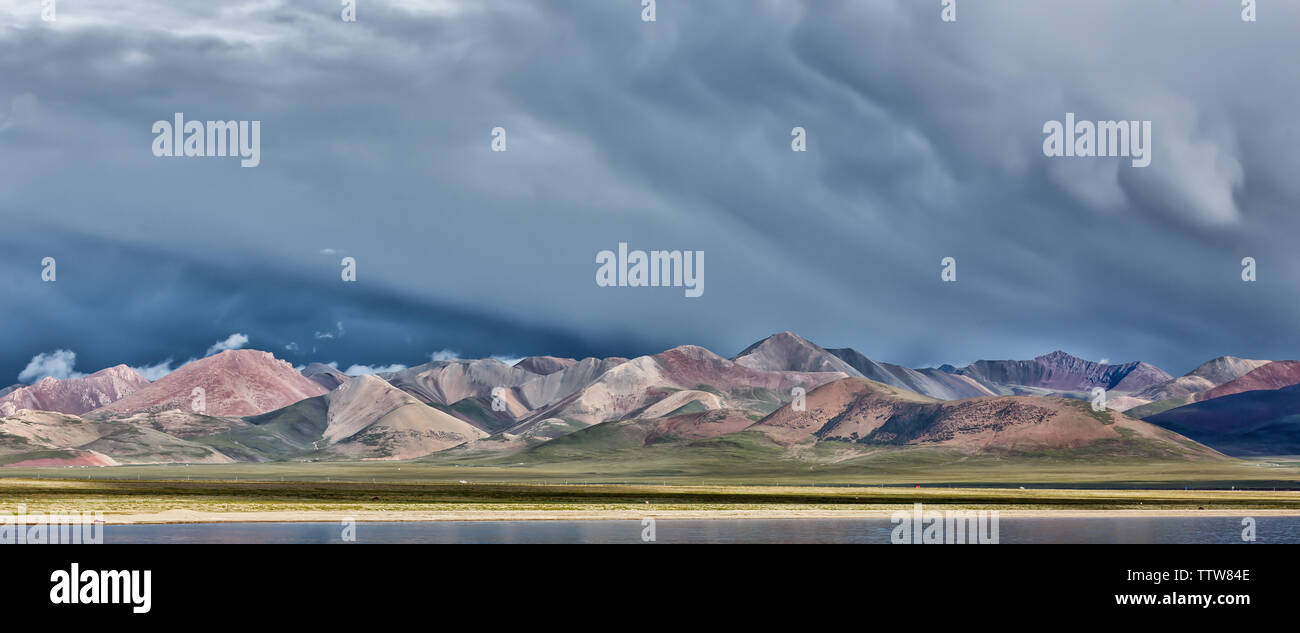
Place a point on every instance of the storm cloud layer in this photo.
(924, 141)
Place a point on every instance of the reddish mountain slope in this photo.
(235, 383)
(74, 395)
(1207, 376)
(1275, 375)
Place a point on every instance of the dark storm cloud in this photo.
(924, 142)
(145, 306)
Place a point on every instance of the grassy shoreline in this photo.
(256, 501)
(432, 491)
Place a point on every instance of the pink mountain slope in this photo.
(74, 395)
(1275, 375)
(235, 383)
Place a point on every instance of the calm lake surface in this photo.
(1011, 530)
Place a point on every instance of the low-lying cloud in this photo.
(58, 364)
(158, 370)
(234, 341)
(366, 370)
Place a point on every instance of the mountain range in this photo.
(784, 392)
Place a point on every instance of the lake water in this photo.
(1010, 530)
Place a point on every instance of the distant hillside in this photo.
(1258, 422)
(1057, 373)
(1060, 371)
(73, 395)
(628, 389)
(787, 351)
(364, 418)
(325, 376)
(1207, 376)
(870, 413)
(44, 438)
(1275, 375)
(936, 383)
(449, 382)
(234, 383)
(544, 365)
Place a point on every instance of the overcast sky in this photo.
(924, 141)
